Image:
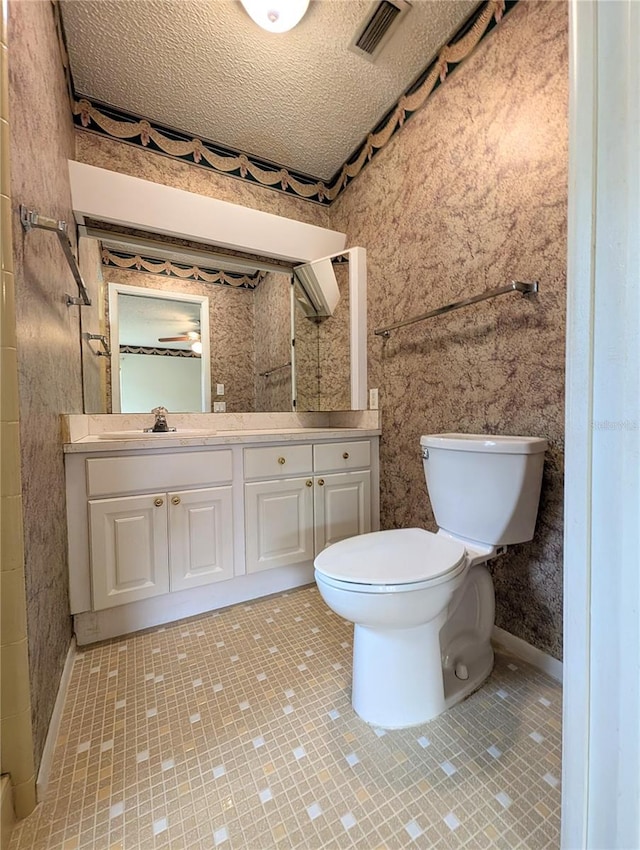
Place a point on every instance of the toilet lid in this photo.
(399, 556)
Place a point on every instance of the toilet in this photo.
(422, 603)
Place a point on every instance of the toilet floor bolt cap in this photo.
(462, 672)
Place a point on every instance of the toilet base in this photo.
(479, 668)
(397, 675)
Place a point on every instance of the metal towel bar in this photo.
(275, 369)
(29, 220)
(526, 288)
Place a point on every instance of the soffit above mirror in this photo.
(301, 99)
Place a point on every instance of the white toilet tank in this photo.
(482, 487)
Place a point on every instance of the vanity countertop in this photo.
(127, 441)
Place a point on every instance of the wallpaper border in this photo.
(182, 271)
(102, 119)
(158, 351)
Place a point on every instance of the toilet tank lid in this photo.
(500, 444)
(394, 557)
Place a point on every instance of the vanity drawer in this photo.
(277, 460)
(187, 470)
(339, 456)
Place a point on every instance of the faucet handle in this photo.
(160, 425)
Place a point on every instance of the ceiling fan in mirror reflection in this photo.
(191, 336)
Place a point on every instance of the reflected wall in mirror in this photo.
(330, 326)
(321, 332)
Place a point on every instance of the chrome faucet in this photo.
(160, 426)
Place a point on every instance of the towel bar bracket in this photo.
(102, 339)
(30, 220)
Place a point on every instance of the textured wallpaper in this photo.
(470, 195)
(307, 335)
(323, 378)
(128, 159)
(48, 342)
(272, 323)
(334, 362)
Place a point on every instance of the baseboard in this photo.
(54, 724)
(93, 626)
(7, 814)
(521, 649)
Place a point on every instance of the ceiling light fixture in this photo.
(276, 15)
(196, 347)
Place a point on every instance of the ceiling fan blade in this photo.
(174, 339)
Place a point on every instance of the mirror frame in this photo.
(115, 289)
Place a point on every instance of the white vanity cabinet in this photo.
(142, 546)
(159, 534)
(155, 523)
(128, 547)
(291, 519)
(200, 537)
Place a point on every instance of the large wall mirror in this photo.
(284, 332)
(185, 333)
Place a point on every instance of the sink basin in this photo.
(154, 435)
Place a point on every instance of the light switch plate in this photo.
(373, 399)
(219, 406)
(219, 389)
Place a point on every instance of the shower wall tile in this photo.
(13, 615)
(9, 388)
(49, 376)
(11, 553)
(5, 235)
(15, 667)
(470, 195)
(17, 790)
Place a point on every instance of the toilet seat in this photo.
(391, 561)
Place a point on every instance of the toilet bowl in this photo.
(422, 604)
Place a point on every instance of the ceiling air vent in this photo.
(377, 28)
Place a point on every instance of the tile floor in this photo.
(235, 730)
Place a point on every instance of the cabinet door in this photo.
(200, 537)
(342, 506)
(279, 523)
(128, 543)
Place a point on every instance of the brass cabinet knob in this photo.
(158, 502)
(321, 482)
(309, 482)
(175, 500)
(281, 460)
(345, 455)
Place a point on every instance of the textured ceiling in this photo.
(299, 99)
